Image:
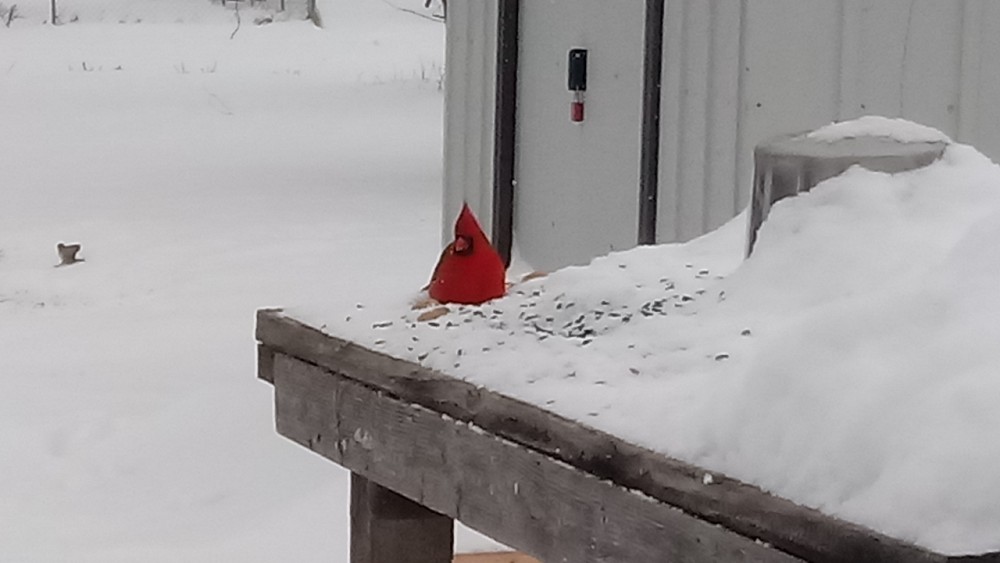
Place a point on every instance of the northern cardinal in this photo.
(469, 271)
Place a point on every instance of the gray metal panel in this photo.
(734, 73)
(578, 184)
(470, 89)
(979, 114)
(700, 117)
(906, 60)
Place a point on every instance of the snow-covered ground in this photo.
(204, 177)
(851, 364)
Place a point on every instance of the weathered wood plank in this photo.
(389, 528)
(803, 532)
(518, 496)
(495, 557)
(993, 557)
(265, 363)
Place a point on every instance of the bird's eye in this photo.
(463, 245)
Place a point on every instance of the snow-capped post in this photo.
(789, 164)
(312, 14)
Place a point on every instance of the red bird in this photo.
(469, 271)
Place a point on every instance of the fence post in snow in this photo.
(313, 14)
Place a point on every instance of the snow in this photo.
(850, 364)
(898, 129)
(205, 177)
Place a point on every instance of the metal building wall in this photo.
(735, 73)
(470, 91)
(577, 193)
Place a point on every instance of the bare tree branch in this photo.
(233, 34)
(11, 15)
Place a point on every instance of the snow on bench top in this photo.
(851, 364)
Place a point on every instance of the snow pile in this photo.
(850, 364)
(868, 392)
(205, 177)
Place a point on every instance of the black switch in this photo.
(578, 70)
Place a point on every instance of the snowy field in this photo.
(204, 177)
(209, 170)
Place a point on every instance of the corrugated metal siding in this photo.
(979, 79)
(736, 73)
(699, 116)
(470, 90)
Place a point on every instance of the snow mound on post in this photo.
(877, 126)
(868, 390)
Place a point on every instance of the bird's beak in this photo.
(463, 245)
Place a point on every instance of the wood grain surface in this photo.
(728, 503)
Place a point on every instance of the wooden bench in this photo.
(497, 557)
(426, 449)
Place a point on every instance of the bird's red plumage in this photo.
(469, 271)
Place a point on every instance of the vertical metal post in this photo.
(505, 127)
(54, 16)
(649, 159)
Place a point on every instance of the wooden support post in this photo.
(389, 528)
